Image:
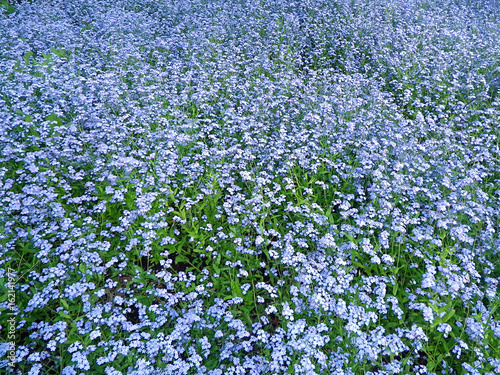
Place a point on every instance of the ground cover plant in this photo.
(249, 187)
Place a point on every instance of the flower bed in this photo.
(250, 187)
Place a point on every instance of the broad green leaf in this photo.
(53, 117)
(64, 304)
(83, 268)
(64, 315)
(58, 52)
(27, 56)
(236, 289)
(448, 315)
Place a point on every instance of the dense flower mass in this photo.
(250, 187)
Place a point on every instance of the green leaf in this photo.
(64, 315)
(82, 267)
(64, 304)
(246, 313)
(248, 300)
(53, 118)
(447, 346)
(432, 365)
(216, 268)
(47, 59)
(58, 52)
(448, 315)
(26, 57)
(236, 289)
(395, 288)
